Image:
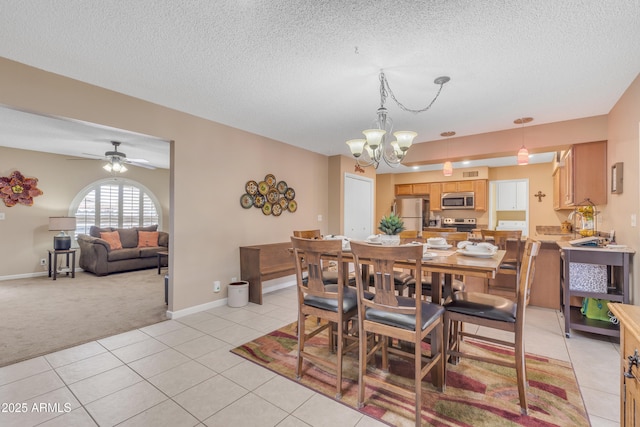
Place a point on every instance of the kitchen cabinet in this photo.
(434, 197)
(511, 196)
(480, 190)
(585, 174)
(559, 186)
(616, 262)
(629, 317)
(457, 186)
(420, 189)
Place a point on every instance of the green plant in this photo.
(391, 224)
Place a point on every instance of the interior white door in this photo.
(358, 206)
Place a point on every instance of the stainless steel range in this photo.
(460, 224)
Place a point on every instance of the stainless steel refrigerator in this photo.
(414, 211)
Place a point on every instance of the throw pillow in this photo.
(128, 237)
(147, 239)
(113, 238)
(95, 231)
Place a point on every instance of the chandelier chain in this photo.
(384, 87)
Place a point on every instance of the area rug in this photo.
(477, 394)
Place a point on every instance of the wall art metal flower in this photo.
(15, 189)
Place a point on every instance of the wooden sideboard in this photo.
(259, 263)
(629, 317)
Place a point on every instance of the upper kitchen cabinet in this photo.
(511, 196)
(480, 190)
(457, 186)
(421, 189)
(435, 197)
(585, 175)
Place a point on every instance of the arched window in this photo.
(115, 202)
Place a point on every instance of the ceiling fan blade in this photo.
(142, 165)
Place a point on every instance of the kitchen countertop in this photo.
(544, 238)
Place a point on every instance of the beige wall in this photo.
(25, 235)
(212, 162)
(210, 165)
(624, 143)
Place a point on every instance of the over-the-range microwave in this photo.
(458, 201)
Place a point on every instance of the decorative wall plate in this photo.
(263, 187)
(284, 203)
(273, 196)
(293, 205)
(290, 193)
(251, 187)
(246, 201)
(276, 209)
(282, 187)
(259, 201)
(270, 180)
(266, 209)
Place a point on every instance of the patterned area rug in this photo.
(477, 394)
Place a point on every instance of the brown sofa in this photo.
(97, 256)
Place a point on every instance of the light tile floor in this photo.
(181, 373)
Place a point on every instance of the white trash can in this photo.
(238, 294)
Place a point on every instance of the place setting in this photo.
(477, 250)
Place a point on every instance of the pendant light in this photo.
(447, 168)
(523, 153)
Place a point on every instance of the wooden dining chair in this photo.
(457, 283)
(448, 229)
(496, 312)
(388, 317)
(408, 236)
(333, 304)
(308, 234)
(510, 264)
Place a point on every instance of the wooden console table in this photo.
(259, 263)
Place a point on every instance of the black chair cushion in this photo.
(482, 305)
(508, 266)
(430, 313)
(349, 300)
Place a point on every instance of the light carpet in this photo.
(39, 315)
(477, 394)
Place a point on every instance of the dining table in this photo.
(448, 263)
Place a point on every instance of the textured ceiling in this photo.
(306, 73)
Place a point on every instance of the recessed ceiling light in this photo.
(416, 167)
(466, 162)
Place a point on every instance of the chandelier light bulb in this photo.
(405, 139)
(374, 137)
(356, 146)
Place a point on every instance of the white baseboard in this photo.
(221, 302)
(23, 276)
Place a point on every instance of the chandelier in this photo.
(376, 148)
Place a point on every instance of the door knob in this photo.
(633, 361)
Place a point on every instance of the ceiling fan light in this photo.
(107, 167)
(447, 169)
(123, 168)
(523, 156)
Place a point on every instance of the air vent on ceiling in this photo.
(469, 174)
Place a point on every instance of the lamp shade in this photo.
(62, 223)
(523, 156)
(447, 168)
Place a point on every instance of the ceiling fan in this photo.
(116, 160)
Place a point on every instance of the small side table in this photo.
(161, 254)
(71, 268)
